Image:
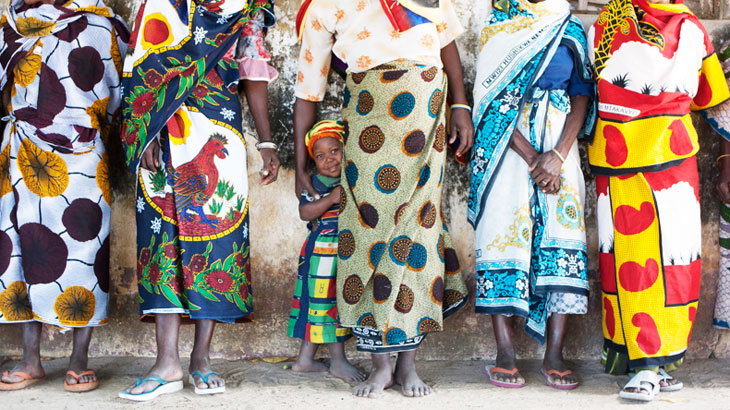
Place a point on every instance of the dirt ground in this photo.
(457, 385)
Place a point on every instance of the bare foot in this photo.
(407, 377)
(202, 365)
(346, 371)
(170, 371)
(34, 369)
(380, 378)
(506, 360)
(551, 362)
(305, 362)
(308, 365)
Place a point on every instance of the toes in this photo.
(408, 392)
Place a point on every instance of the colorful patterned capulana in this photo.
(192, 211)
(654, 63)
(65, 63)
(314, 309)
(397, 273)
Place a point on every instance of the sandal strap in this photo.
(204, 377)
(664, 376)
(503, 370)
(159, 380)
(644, 376)
(559, 374)
(80, 375)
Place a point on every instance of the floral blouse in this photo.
(251, 54)
(360, 34)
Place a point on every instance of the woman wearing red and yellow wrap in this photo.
(654, 64)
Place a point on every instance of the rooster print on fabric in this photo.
(195, 182)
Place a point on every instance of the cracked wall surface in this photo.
(277, 234)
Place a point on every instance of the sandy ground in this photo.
(457, 385)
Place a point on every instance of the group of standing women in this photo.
(541, 85)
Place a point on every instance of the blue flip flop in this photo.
(205, 377)
(163, 388)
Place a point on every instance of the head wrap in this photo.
(324, 129)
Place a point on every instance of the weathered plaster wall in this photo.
(277, 235)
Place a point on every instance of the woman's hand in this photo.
(337, 194)
(150, 157)
(303, 182)
(270, 170)
(722, 185)
(462, 128)
(545, 171)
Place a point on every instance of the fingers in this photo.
(462, 127)
(150, 157)
(723, 191)
(270, 170)
(155, 148)
(466, 137)
(309, 188)
(550, 186)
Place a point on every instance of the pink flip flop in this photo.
(507, 385)
(547, 375)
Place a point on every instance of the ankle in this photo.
(32, 362)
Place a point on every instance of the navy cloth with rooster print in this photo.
(192, 211)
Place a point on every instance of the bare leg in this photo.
(305, 361)
(200, 357)
(406, 376)
(80, 356)
(31, 363)
(505, 349)
(340, 366)
(167, 366)
(380, 378)
(553, 359)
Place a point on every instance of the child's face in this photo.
(327, 154)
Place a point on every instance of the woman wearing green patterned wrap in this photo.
(397, 275)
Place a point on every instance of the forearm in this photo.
(573, 124)
(304, 117)
(452, 67)
(522, 147)
(313, 210)
(257, 96)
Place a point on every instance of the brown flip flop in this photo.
(80, 387)
(27, 381)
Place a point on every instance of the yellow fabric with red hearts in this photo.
(649, 241)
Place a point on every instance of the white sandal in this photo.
(644, 376)
(666, 378)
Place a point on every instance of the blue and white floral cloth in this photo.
(530, 247)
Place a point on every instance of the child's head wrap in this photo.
(324, 129)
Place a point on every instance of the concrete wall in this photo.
(277, 235)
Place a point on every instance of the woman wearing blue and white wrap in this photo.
(532, 98)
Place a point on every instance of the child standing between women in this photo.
(314, 310)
